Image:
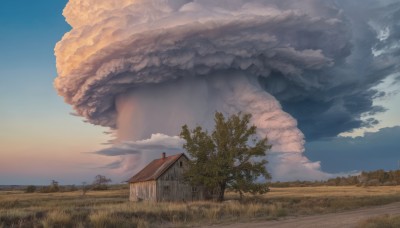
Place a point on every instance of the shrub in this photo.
(100, 183)
(30, 189)
(53, 187)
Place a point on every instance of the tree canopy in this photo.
(231, 157)
(100, 182)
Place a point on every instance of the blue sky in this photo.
(41, 141)
(37, 130)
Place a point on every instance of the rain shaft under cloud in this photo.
(146, 67)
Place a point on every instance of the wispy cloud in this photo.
(157, 143)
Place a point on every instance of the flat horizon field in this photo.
(111, 208)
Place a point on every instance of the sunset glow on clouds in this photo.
(148, 67)
(307, 71)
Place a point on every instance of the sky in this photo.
(40, 140)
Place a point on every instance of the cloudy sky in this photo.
(327, 86)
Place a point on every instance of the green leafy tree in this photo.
(231, 157)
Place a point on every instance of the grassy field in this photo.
(112, 208)
(385, 221)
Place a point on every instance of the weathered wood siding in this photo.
(168, 187)
(171, 187)
(143, 191)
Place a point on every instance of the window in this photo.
(181, 164)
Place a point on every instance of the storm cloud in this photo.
(144, 67)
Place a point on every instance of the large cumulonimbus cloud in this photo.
(145, 67)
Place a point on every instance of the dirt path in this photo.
(343, 219)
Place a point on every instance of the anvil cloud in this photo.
(144, 67)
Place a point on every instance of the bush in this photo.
(102, 187)
(53, 187)
(100, 183)
(30, 189)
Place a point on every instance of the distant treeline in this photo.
(373, 178)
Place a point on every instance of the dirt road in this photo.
(343, 219)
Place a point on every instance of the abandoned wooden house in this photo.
(162, 180)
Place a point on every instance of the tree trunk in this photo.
(221, 193)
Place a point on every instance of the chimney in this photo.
(163, 155)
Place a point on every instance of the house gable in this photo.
(156, 168)
(163, 180)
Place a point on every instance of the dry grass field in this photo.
(385, 221)
(112, 208)
(334, 191)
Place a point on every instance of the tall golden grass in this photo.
(112, 208)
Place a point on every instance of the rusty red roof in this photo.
(155, 169)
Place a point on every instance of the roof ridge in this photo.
(166, 168)
(155, 168)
